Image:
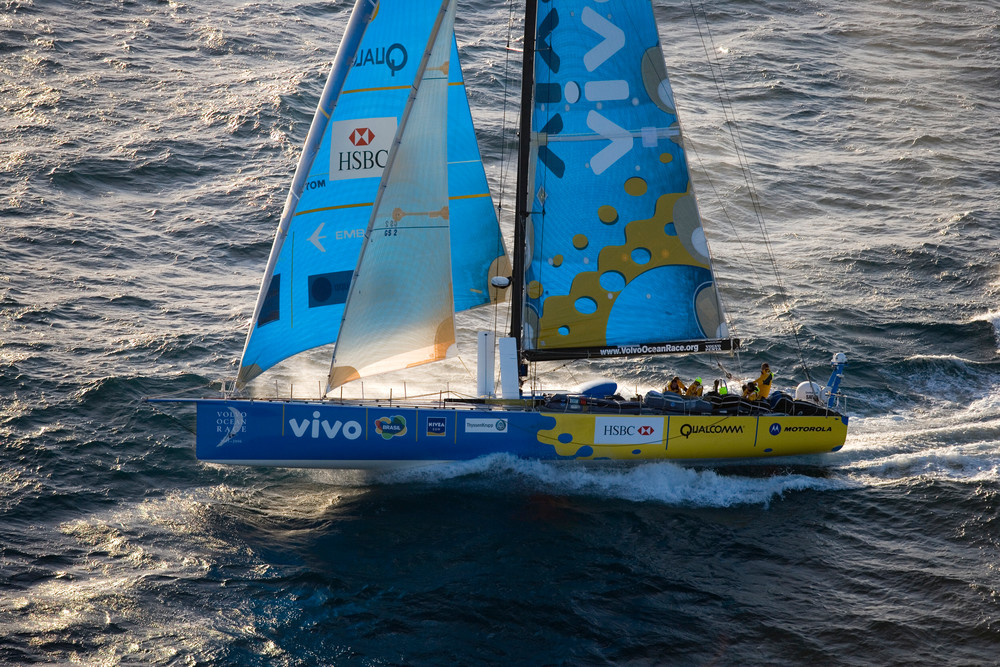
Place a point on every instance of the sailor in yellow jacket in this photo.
(676, 386)
(763, 384)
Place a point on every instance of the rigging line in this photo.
(727, 107)
(505, 162)
(183, 424)
(733, 332)
(730, 115)
(724, 312)
(200, 387)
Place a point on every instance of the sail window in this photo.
(641, 256)
(548, 93)
(612, 281)
(270, 310)
(585, 305)
(552, 161)
(572, 92)
(328, 289)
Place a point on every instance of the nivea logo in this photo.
(313, 427)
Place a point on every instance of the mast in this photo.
(521, 205)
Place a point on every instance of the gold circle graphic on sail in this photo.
(580, 318)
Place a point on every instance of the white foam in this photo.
(663, 482)
(936, 444)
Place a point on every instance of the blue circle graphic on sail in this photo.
(660, 299)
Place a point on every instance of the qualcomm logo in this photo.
(394, 57)
(350, 430)
(687, 430)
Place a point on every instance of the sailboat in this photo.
(389, 230)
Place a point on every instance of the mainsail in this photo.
(617, 261)
(316, 249)
(399, 312)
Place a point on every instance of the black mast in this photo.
(522, 196)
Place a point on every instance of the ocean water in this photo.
(146, 149)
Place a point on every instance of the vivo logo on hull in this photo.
(314, 427)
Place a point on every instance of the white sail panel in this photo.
(400, 310)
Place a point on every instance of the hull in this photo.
(334, 435)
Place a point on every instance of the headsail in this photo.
(399, 312)
(302, 296)
(617, 261)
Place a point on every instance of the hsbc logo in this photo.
(619, 429)
(634, 431)
(361, 136)
(359, 148)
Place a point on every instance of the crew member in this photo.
(695, 389)
(718, 389)
(763, 383)
(676, 386)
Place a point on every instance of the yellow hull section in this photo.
(645, 437)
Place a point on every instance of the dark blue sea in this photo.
(146, 148)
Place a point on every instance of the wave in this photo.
(665, 482)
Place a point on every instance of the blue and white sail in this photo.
(617, 261)
(301, 301)
(400, 311)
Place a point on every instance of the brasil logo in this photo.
(390, 427)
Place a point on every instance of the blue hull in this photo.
(333, 435)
